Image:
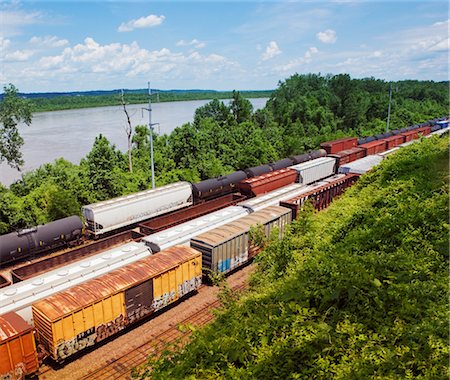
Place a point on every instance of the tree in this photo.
(128, 130)
(13, 110)
(240, 107)
(101, 167)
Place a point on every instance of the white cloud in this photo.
(18, 56)
(13, 21)
(13, 56)
(272, 50)
(143, 22)
(195, 43)
(94, 62)
(327, 36)
(296, 63)
(48, 42)
(4, 43)
(443, 45)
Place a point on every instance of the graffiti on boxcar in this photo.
(164, 300)
(105, 330)
(189, 286)
(231, 263)
(74, 345)
(89, 338)
(138, 313)
(18, 373)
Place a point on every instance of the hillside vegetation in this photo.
(302, 112)
(358, 291)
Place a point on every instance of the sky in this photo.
(62, 46)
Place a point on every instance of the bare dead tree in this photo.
(128, 130)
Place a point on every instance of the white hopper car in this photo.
(106, 216)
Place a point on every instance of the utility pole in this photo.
(389, 107)
(150, 127)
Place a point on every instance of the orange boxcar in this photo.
(267, 182)
(18, 357)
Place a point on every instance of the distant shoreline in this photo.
(47, 102)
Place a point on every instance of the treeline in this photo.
(302, 112)
(357, 291)
(83, 100)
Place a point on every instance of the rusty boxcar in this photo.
(86, 314)
(267, 182)
(374, 147)
(228, 247)
(349, 155)
(18, 356)
(335, 146)
(393, 141)
(321, 196)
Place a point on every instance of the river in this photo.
(71, 133)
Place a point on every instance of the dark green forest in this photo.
(303, 111)
(357, 291)
(63, 102)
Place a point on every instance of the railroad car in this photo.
(388, 152)
(31, 242)
(258, 170)
(46, 264)
(113, 214)
(302, 158)
(227, 247)
(19, 297)
(211, 188)
(264, 183)
(182, 233)
(410, 135)
(271, 198)
(393, 141)
(365, 140)
(349, 155)
(318, 153)
(18, 356)
(314, 170)
(4, 281)
(424, 131)
(281, 164)
(177, 217)
(322, 194)
(382, 136)
(339, 145)
(443, 123)
(374, 147)
(87, 314)
(361, 166)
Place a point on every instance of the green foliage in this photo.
(64, 102)
(302, 112)
(13, 110)
(357, 291)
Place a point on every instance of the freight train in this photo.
(126, 212)
(76, 306)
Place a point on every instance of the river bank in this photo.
(71, 133)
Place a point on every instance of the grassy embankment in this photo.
(55, 103)
(357, 291)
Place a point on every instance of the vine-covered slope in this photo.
(357, 291)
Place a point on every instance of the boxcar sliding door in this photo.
(138, 301)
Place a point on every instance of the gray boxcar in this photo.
(228, 247)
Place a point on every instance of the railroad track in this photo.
(120, 367)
